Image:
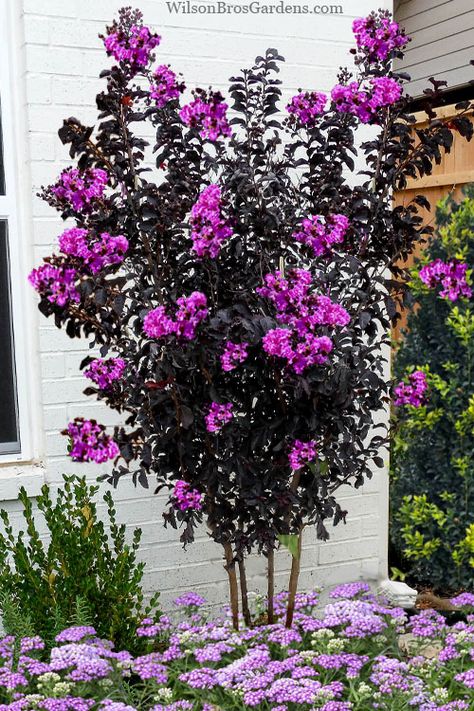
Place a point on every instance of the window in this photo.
(16, 361)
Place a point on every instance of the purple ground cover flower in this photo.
(265, 667)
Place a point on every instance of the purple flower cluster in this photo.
(165, 86)
(302, 453)
(190, 312)
(298, 307)
(208, 112)
(133, 46)
(307, 106)
(80, 188)
(413, 392)
(452, 276)
(321, 233)
(378, 36)
(208, 229)
(218, 415)
(185, 497)
(96, 253)
(349, 591)
(56, 283)
(366, 103)
(233, 355)
(89, 442)
(190, 599)
(105, 371)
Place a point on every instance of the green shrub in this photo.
(432, 489)
(78, 573)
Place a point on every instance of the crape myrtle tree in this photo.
(239, 293)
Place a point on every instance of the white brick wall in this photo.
(58, 47)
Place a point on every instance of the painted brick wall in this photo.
(61, 56)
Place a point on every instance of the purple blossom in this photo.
(218, 416)
(366, 103)
(463, 599)
(322, 233)
(79, 189)
(412, 393)
(89, 442)
(378, 36)
(75, 634)
(190, 599)
(186, 497)
(348, 591)
(95, 253)
(132, 47)
(165, 86)
(307, 106)
(452, 276)
(233, 355)
(302, 453)
(208, 228)
(190, 312)
(209, 113)
(105, 371)
(466, 678)
(56, 283)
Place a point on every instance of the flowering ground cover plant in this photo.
(238, 292)
(345, 657)
(433, 455)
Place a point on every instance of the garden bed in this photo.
(345, 656)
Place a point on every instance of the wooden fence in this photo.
(455, 170)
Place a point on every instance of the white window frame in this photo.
(24, 324)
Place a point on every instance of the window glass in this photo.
(9, 432)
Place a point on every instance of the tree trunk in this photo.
(233, 585)
(293, 584)
(271, 586)
(244, 593)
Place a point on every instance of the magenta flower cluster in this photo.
(452, 276)
(190, 312)
(57, 283)
(234, 354)
(307, 106)
(320, 233)
(96, 253)
(302, 453)
(303, 311)
(105, 371)
(89, 442)
(218, 415)
(185, 497)
(412, 393)
(366, 103)
(378, 36)
(208, 112)
(133, 47)
(80, 188)
(208, 228)
(165, 86)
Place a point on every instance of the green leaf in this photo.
(291, 543)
